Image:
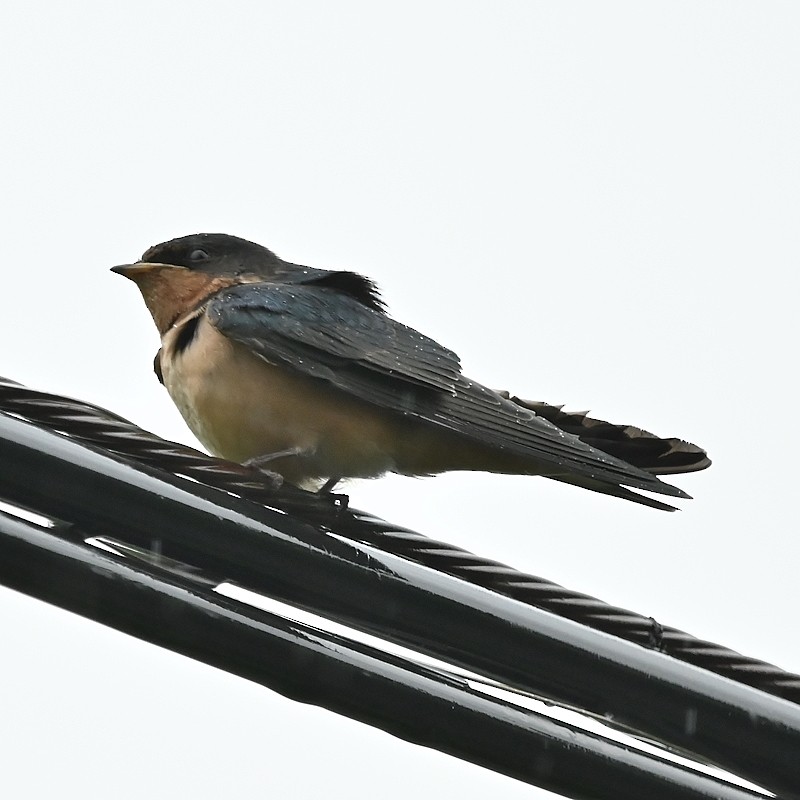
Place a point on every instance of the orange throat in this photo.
(171, 293)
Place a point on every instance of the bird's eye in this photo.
(198, 255)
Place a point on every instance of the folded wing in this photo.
(333, 336)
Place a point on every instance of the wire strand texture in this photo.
(100, 428)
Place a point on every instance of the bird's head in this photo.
(175, 276)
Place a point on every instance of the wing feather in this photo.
(286, 323)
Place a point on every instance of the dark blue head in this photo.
(215, 254)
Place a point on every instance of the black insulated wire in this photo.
(280, 548)
(96, 426)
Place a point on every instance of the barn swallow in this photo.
(302, 371)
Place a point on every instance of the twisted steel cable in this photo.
(98, 427)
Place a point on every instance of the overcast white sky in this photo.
(595, 204)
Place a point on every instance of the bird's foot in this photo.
(261, 464)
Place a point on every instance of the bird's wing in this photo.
(332, 336)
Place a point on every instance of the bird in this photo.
(302, 372)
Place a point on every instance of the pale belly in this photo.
(241, 407)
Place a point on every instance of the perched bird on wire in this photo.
(301, 371)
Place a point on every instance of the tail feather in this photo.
(638, 447)
(615, 491)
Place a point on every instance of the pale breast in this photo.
(241, 407)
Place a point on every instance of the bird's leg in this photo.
(260, 461)
(329, 485)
